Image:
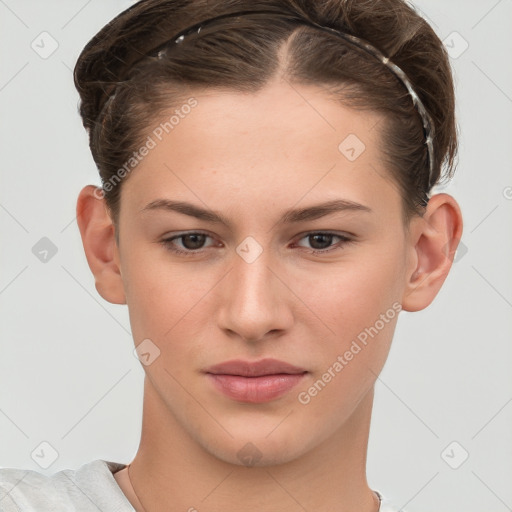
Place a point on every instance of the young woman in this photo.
(266, 213)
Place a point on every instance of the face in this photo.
(268, 274)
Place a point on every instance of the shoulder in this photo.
(88, 488)
(386, 505)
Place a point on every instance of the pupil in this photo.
(197, 244)
(317, 236)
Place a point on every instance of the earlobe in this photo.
(435, 239)
(98, 238)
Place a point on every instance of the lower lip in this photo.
(255, 389)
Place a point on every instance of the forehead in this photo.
(284, 144)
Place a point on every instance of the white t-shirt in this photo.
(90, 488)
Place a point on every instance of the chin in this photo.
(258, 450)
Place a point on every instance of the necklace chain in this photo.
(144, 510)
(133, 488)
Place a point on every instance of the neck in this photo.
(173, 472)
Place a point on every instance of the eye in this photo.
(191, 242)
(321, 241)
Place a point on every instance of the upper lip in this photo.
(254, 368)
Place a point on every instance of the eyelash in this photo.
(344, 240)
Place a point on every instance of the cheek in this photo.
(172, 304)
(360, 304)
(351, 296)
(347, 297)
(362, 312)
(160, 297)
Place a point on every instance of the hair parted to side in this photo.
(124, 92)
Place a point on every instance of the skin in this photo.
(250, 157)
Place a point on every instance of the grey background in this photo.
(68, 376)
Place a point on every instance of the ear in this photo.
(98, 237)
(434, 240)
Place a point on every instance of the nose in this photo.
(255, 300)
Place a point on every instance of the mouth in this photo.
(255, 382)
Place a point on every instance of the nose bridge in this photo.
(253, 302)
(253, 278)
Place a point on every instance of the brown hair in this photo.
(243, 54)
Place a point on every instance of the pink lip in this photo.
(254, 368)
(254, 382)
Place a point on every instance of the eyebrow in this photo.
(290, 216)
